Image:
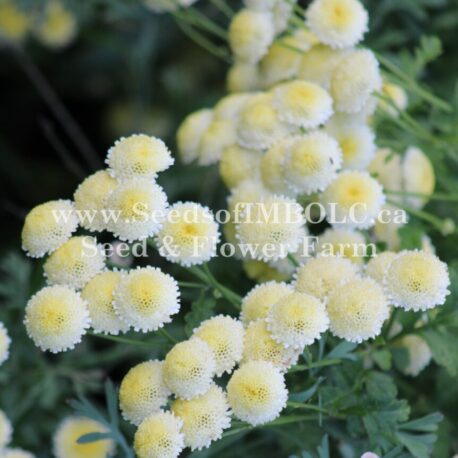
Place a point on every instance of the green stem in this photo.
(293, 260)
(189, 284)
(434, 196)
(224, 8)
(322, 363)
(167, 335)
(299, 405)
(118, 339)
(195, 18)
(232, 297)
(391, 322)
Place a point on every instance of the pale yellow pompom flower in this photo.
(297, 320)
(56, 318)
(419, 354)
(229, 107)
(5, 343)
(190, 133)
(238, 164)
(353, 199)
(242, 77)
(58, 26)
(257, 392)
(139, 208)
(146, 298)
(99, 295)
(71, 429)
(416, 280)
(189, 235)
(138, 156)
(337, 23)
(250, 34)
(386, 167)
(224, 335)
(378, 265)
(217, 137)
(75, 262)
(387, 231)
(159, 436)
(396, 95)
(189, 368)
(354, 80)
(258, 301)
(204, 418)
(357, 310)
(15, 453)
(259, 345)
(48, 226)
(14, 22)
(6, 430)
(302, 104)
(91, 199)
(321, 275)
(247, 192)
(143, 391)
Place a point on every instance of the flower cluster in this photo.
(6, 433)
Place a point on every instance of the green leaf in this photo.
(411, 237)
(15, 284)
(418, 446)
(381, 387)
(343, 351)
(323, 448)
(306, 394)
(427, 424)
(443, 346)
(112, 402)
(383, 359)
(93, 437)
(201, 310)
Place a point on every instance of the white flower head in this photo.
(5, 343)
(6, 430)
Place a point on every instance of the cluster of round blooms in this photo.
(5, 343)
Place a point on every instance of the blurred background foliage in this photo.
(132, 71)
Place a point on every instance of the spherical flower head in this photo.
(419, 354)
(190, 133)
(357, 310)
(312, 162)
(91, 199)
(387, 232)
(138, 156)
(242, 77)
(281, 14)
(259, 126)
(257, 392)
(48, 226)
(250, 34)
(224, 335)
(58, 26)
(262, 272)
(238, 164)
(189, 235)
(56, 318)
(318, 64)
(302, 104)
(337, 23)
(159, 436)
(71, 429)
(14, 23)
(297, 320)
(75, 262)
(204, 417)
(5, 343)
(387, 168)
(272, 228)
(229, 107)
(217, 137)
(259, 345)
(354, 79)
(416, 280)
(419, 176)
(257, 302)
(15, 453)
(6, 430)
(99, 295)
(143, 391)
(247, 192)
(356, 141)
(146, 298)
(397, 96)
(378, 265)
(321, 275)
(139, 207)
(354, 198)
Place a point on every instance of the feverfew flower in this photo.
(99, 295)
(337, 23)
(189, 368)
(302, 104)
(159, 436)
(386, 167)
(48, 226)
(237, 164)
(138, 156)
(143, 391)
(257, 392)
(146, 298)
(354, 79)
(297, 320)
(354, 198)
(219, 135)
(229, 107)
(6, 430)
(91, 200)
(247, 192)
(242, 77)
(396, 95)
(5, 343)
(224, 335)
(357, 310)
(204, 418)
(250, 34)
(321, 275)
(419, 354)
(416, 280)
(258, 301)
(75, 262)
(71, 429)
(56, 318)
(15, 453)
(139, 207)
(311, 162)
(14, 23)
(378, 265)
(189, 235)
